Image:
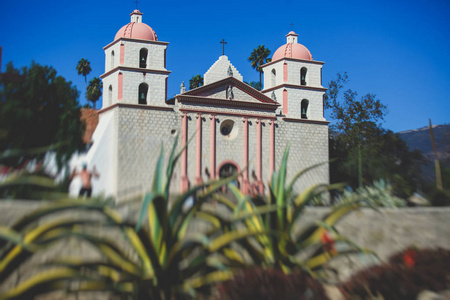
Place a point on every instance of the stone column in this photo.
(272, 147)
(212, 147)
(198, 151)
(184, 177)
(245, 181)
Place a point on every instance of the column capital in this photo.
(212, 116)
(198, 115)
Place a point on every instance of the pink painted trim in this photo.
(285, 72)
(122, 53)
(184, 178)
(245, 183)
(226, 113)
(272, 148)
(120, 87)
(139, 106)
(285, 102)
(122, 68)
(212, 148)
(198, 151)
(296, 86)
(258, 150)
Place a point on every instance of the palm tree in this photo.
(195, 82)
(94, 90)
(259, 57)
(84, 68)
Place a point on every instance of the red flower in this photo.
(328, 242)
(409, 258)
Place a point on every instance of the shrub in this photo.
(405, 275)
(262, 284)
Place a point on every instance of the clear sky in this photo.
(396, 49)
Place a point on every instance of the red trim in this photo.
(237, 83)
(198, 151)
(226, 113)
(272, 148)
(245, 183)
(285, 72)
(122, 55)
(294, 59)
(184, 177)
(258, 151)
(120, 87)
(212, 148)
(120, 68)
(305, 121)
(134, 40)
(138, 106)
(225, 102)
(285, 102)
(301, 87)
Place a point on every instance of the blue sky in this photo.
(398, 50)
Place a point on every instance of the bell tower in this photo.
(135, 66)
(294, 80)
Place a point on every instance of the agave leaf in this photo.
(314, 233)
(213, 277)
(41, 283)
(148, 197)
(9, 235)
(41, 181)
(228, 237)
(302, 172)
(158, 177)
(170, 167)
(280, 193)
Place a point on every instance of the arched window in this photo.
(304, 109)
(112, 59)
(143, 90)
(143, 58)
(274, 77)
(303, 76)
(110, 95)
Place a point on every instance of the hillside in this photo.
(420, 139)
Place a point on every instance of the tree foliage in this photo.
(358, 141)
(259, 57)
(84, 68)
(94, 90)
(195, 82)
(39, 110)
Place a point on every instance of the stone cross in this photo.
(136, 3)
(223, 46)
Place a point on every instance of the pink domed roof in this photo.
(294, 50)
(139, 31)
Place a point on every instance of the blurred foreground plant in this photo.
(165, 261)
(283, 245)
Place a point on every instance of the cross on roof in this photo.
(136, 1)
(292, 26)
(223, 46)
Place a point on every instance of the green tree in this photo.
(255, 85)
(195, 82)
(259, 57)
(94, 90)
(365, 151)
(38, 111)
(84, 68)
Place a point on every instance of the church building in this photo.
(234, 128)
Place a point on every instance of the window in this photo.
(143, 90)
(303, 76)
(112, 59)
(274, 77)
(143, 58)
(110, 95)
(304, 109)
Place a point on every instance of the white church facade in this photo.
(233, 126)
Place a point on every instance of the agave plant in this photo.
(282, 245)
(164, 261)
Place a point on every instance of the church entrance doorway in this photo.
(227, 169)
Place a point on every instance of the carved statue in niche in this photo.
(230, 94)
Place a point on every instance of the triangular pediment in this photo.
(230, 89)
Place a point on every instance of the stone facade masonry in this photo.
(219, 71)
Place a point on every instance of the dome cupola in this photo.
(136, 29)
(292, 49)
